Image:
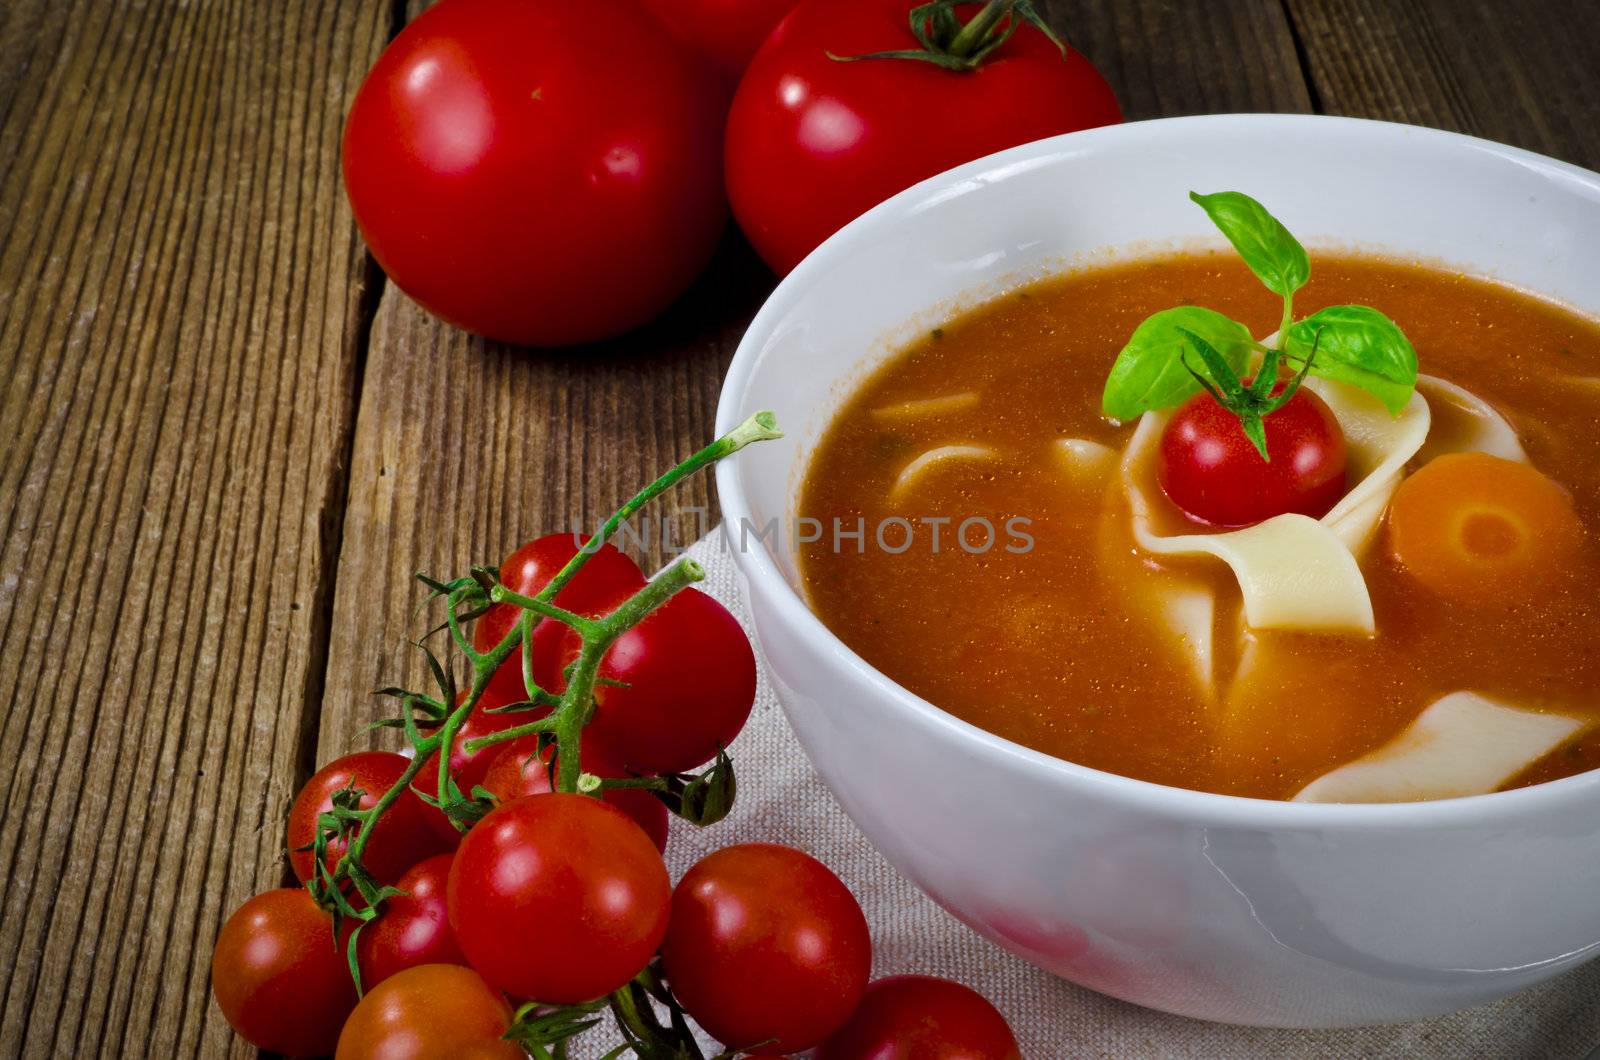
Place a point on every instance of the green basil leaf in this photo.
(1149, 372)
(1358, 345)
(1273, 254)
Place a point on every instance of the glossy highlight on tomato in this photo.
(279, 977)
(535, 173)
(676, 687)
(1209, 468)
(408, 832)
(766, 945)
(412, 928)
(920, 1017)
(430, 1012)
(558, 898)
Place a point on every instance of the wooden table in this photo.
(227, 443)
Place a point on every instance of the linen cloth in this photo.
(781, 800)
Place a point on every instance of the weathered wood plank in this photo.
(180, 316)
(1522, 73)
(1167, 57)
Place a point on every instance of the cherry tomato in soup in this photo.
(687, 683)
(606, 576)
(409, 830)
(919, 1017)
(430, 1012)
(766, 943)
(411, 929)
(727, 32)
(559, 898)
(536, 173)
(521, 770)
(1211, 469)
(279, 978)
(813, 141)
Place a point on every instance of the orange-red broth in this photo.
(1047, 648)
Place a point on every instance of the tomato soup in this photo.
(1066, 635)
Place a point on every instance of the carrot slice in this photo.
(1480, 528)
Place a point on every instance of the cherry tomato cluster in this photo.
(529, 898)
(549, 174)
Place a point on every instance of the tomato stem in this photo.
(945, 41)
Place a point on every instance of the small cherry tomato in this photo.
(607, 576)
(536, 176)
(409, 830)
(279, 977)
(470, 767)
(727, 32)
(766, 943)
(520, 770)
(687, 681)
(558, 898)
(430, 1012)
(413, 928)
(1210, 468)
(814, 141)
(919, 1017)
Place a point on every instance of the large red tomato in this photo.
(413, 928)
(558, 898)
(408, 831)
(519, 770)
(813, 141)
(280, 979)
(685, 682)
(535, 172)
(919, 1017)
(727, 32)
(430, 1012)
(766, 943)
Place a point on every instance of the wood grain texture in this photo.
(466, 448)
(1522, 73)
(1171, 57)
(180, 308)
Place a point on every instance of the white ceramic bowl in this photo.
(1239, 910)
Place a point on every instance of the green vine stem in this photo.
(433, 739)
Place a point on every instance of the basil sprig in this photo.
(1179, 352)
(1150, 372)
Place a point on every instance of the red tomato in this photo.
(534, 176)
(279, 978)
(727, 32)
(518, 771)
(430, 1012)
(814, 142)
(469, 767)
(918, 1017)
(766, 943)
(412, 929)
(1210, 469)
(558, 898)
(607, 576)
(690, 677)
(408, 831)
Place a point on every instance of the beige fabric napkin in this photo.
(781, 800)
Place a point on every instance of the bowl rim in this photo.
(792, 612)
